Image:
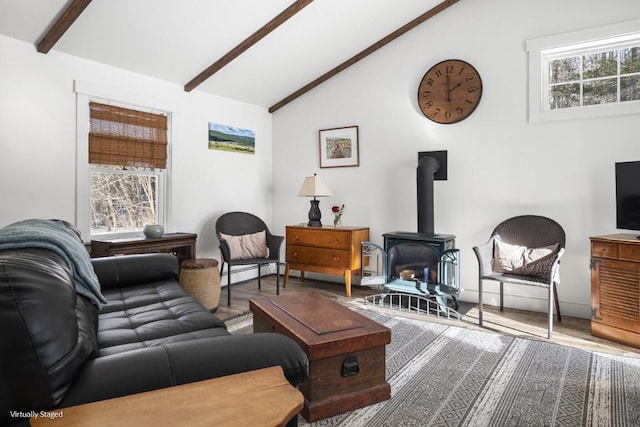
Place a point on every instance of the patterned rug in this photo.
(443, 375)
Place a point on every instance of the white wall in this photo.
(38, 142)
(499, 164)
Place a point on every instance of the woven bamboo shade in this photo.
(124, 137)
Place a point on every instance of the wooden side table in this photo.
(183, 245)
(329, 250)
(260, 397)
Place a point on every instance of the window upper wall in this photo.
(589, 73)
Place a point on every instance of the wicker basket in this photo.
(200, 278)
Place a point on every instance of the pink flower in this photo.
(337, 210)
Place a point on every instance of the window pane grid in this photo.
(123, 200)
(593, 76)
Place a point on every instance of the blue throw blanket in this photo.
(63, 240)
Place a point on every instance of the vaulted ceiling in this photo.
(264, 52)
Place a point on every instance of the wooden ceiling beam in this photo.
(368, 51)
(247, 43)
(62, 24)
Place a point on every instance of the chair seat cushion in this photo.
(518, 279)
(252, 261)
(521, 260)
(247, 246)
(152, 314)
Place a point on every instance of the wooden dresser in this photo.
(615, 288)
(329, 250)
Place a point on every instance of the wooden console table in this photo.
(329, 250)
(260, 397)
(183, 245)
(615, 288)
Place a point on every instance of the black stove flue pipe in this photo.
(427, 167)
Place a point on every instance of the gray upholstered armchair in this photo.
(524, 250)
(246, 240)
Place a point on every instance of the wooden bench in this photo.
(257, 398)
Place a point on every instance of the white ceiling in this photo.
(175, 40)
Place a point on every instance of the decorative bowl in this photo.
(153, 230)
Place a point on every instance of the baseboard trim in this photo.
(529, 303)
(245, 273)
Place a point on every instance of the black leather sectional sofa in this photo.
(58, 349)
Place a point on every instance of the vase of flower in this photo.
(337, 210)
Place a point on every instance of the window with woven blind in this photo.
(128, 159)
(125, 137)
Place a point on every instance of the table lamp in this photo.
(314, 186)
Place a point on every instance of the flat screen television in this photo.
(628, 195)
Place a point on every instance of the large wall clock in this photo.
(449, 91)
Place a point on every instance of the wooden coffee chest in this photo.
(346, 350)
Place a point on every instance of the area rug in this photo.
(443, 375)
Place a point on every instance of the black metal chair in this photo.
(241, 224)
(530, 231)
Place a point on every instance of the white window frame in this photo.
(85, 93)
(541, 50)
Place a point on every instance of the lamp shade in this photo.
(314, 186)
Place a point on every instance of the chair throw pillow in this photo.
(247, 246)
(514, 259)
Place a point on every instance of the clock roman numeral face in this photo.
(449, 91)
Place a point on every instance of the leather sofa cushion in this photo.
(132, 270)
(48, 330)
(152, 314)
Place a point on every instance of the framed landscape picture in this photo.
(339, 147)
(229, 138)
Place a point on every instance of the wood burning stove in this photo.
(423, 249)
(423, 263)
(416, 251)
(422, 273)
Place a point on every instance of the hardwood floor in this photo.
(571, 331)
